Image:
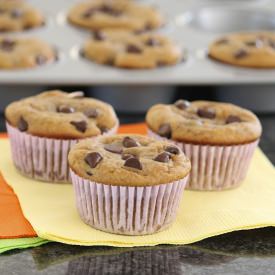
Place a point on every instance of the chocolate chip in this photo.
(65, 109)
(40, 59)
(109, 10)
(148, 27)
(16, 13)
(27, 27)
(133, 163)
(103, 129)
(232, 119)
(129, 142)
(126, 156)
(152, 42)
(110, 62)
(133, 49)
(7, 45)
(89, 173)
(3, 29)
(81, 126)
(271, 43)
(161, 63)
(91, 113)
(240, 54)
(254, 43)
(165, 130)
(163, 157)
(22, 124)
(93, 159)
(113, 148)
(88, 13)
(172, 150)
(206, 113)
(182, 104)
(99, 36)
(222, 41)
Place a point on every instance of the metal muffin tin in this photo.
(193, 24)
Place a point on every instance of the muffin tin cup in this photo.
(40, 158)
(215, 168)
(127, 210)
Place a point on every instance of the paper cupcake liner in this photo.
(42, 158)
(127, 210)
(215, 167)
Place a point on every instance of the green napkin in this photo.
(9, 244)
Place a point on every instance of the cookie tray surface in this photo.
(192, 24)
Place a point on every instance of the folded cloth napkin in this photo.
(52, 213)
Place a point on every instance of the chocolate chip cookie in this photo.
(119, 14)
(251, 49)
(204, 122)
(131, 50)
(20, 53)
(17, 15)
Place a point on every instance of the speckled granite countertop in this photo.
(243, 252)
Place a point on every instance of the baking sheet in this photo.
(193, 24)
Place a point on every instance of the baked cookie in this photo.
(130, 50)
(19, 53)
(204, 122)
(56, 114)
(17, 15)
(252, 49)
(118, 14)
(128, 184)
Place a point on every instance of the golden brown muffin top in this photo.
(128, 160)
(131, 50)
(204, 122)
(61, 115)
(251, 49)
(17, 15)
(25, 52)
(118, 14)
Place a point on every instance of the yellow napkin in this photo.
(50, 208)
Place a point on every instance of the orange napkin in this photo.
(12, 221)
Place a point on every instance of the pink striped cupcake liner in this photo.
(215, 167)
(42, 158)
(127, 210)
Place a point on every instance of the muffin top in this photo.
(60, 115)
(25, 52)
(17, 15)
(132, 50)
(251, 49)
(204, 122)
(118, 14)
(128, 160)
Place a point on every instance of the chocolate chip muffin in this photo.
(251, 49)
(17, 15)
(119, 14)
(22, 53)
(139, 180)
(42, 129)
(219, 138)
(132, 50)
